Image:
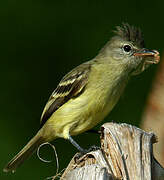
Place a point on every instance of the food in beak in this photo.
(147, 53)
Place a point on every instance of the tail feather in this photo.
(25, 153)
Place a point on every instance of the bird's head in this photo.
(127, 48)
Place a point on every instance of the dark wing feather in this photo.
(70, 86)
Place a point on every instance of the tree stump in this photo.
(126, 153)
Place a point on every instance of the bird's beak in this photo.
(148, 53)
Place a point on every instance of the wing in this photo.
(70, 86)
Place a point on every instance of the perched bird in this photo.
(90, 91)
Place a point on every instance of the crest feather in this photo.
(130, 33)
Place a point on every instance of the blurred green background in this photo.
(40, 41)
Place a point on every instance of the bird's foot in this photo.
(85, 151)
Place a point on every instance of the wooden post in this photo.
(126, 154)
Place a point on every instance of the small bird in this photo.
(89, 92)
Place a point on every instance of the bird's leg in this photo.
(82, 151)
(74, 143)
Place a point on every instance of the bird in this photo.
(88, 93)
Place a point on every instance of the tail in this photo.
(25, 153)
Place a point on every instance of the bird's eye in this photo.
(127, 48)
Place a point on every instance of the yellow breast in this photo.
(82, 113)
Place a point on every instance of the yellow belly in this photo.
(79, 114)
(85, 111)
(82, 113)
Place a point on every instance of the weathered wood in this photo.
(126, 154)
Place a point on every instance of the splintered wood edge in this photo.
(93, 163)
(126, 153)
